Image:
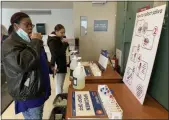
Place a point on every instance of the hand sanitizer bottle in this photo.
(73, 64)
(79, 76)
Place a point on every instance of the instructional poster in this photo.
(146, 35)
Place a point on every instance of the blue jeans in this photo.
(34, 113)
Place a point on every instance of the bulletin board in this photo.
(146, 35)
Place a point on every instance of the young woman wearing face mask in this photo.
(26, 67)
(58, 46)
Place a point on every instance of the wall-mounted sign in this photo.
(100, 25)
(40, 27)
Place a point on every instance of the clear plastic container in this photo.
(79, 77)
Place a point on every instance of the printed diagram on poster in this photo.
(139, 90)
(142, 67)
(130, 74)
(146, 35)
(135, 55)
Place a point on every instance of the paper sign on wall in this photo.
(146, 35)
(100, 25)
(118, 56)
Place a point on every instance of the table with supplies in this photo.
(130, 106)
(107, 76)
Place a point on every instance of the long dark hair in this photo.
(58, 27)
(10, 29)
(16, 18)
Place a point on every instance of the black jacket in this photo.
(21, 62)
(58, 52)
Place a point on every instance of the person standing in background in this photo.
(4, 33)
(4, 36)
(25, 64)
(58, 46)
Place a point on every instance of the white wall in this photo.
(92, 43)
(58, 16)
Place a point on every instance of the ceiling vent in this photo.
(99, 2)
(37, 12)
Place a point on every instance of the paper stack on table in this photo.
(110, 104)
(95, 69)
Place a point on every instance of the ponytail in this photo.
(10, 29)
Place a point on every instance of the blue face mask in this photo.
(23, 35)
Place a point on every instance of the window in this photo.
(83, 25)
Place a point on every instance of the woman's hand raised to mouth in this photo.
(36, 36)
(65, 40)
